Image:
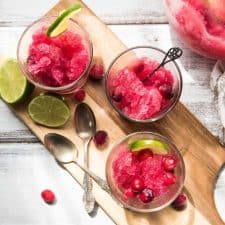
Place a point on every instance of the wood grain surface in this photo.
(196, 94)
(202, 154)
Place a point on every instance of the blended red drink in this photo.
(145, 172)
(57, 61)
(200, 24)
(144, 175)
(140, 94)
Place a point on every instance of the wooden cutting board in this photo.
(203, 155)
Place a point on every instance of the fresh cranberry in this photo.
(129, 193)
(97, 71)
(180, 202)
(139, 68)
(146, 195)
(48, 196)
(31, 59)
(166, 91)
(144, 154)
(169, 178)
(80, 95)
(169, 162)
(137, 184)
(117, 97)
(100, 137)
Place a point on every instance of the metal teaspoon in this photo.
(85, 125)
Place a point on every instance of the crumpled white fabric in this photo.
(217, 84)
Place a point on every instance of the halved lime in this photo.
(49, 111)
(156, 146)
(14, 86)
(61, 23)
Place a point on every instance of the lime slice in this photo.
(60, 24)
(14, 86)
(49, 111)
(156, 146)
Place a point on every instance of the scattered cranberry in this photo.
(169, 163)
(100, 137)
(129, 193)
(144, 154)
(166, 91)
(180, 202)
(117, 97)
(97, 71)
(137, 185)
(169, 178)
(139, 68)
(146, 195)
(48, 196)
(80, 95)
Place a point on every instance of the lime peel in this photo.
(61, 22)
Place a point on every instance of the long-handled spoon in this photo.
(171, 55)
(85, 125)
(64, 151)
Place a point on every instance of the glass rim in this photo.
(50, 88)
(154, 118)
(168, 141)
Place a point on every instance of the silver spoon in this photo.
(85, 125)
(64, 151)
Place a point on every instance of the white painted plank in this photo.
(23, 11)
(112, 12)
(197, 95)
(27, 169)
(126, 11)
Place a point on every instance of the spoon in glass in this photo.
(85, 125)
(171, 55)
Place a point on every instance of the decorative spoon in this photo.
(64, 151)
(171, 55)
(85, 125)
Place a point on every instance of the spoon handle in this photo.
(171, 55)
(88, 197)
(102, 183)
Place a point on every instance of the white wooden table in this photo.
(25, 166)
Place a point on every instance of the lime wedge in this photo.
(156, 146)
(60, 24)
(49, 111)
(14, 86)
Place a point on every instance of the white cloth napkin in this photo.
(217, 84)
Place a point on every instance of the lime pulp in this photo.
(14, 86)
(49, 111)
